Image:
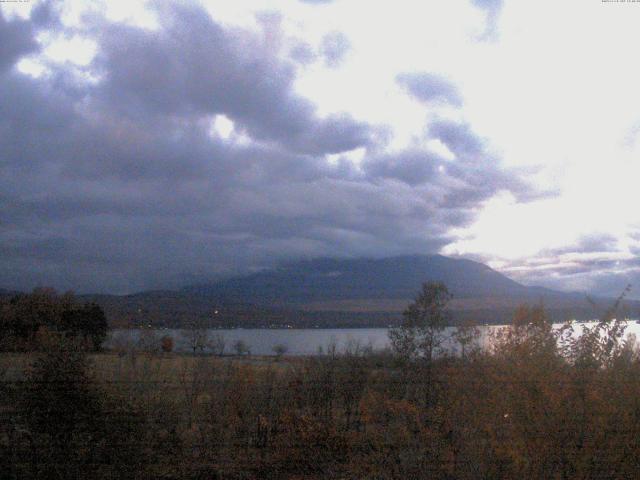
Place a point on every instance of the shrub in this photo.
(280, 349)
(241, 347)
(166, 343)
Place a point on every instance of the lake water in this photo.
(297, 341)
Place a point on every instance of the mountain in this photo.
(367, 285)
(331, 279)
(332, 292)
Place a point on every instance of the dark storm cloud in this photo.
(476, 170)
(429, 87)
(16, 40)
(413, 167)
(120, 185)
(452, 188)
(194, 66)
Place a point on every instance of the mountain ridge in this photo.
(389, 277)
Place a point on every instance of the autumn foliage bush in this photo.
(166, 344)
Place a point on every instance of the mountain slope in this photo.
(365, 278)
(378, 286)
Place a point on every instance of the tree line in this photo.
(28, 321)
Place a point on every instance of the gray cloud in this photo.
(193, 66)
(413, 167)
(489, 5)
(303, 53)
(16, 40)
(492, 8)
(334, 48)
(592, 264)
(429, 87)
(459, 138)
(604, 242)
(602, 279)
(119, 185)
(476, 169)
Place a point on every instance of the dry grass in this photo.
(113, 368)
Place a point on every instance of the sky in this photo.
(148, 145)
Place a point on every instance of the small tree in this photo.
(420, 334)
(217, 344)
(599, 345)
(197, 337)
(75, 428)
(60, 407)
(166, 343)
(96, 324)
(531, 336)
(467, 335)
(280, 349)
(148, 340)
(88, 321)
(241, 347)
(58, 390)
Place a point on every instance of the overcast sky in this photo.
(153, 145)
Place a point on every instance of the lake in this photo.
(297, 341)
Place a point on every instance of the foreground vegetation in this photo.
(538, 402)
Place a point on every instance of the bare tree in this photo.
(197, 337)
(148, 340)
(217, 344)
(241, 347)
(467, 335)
